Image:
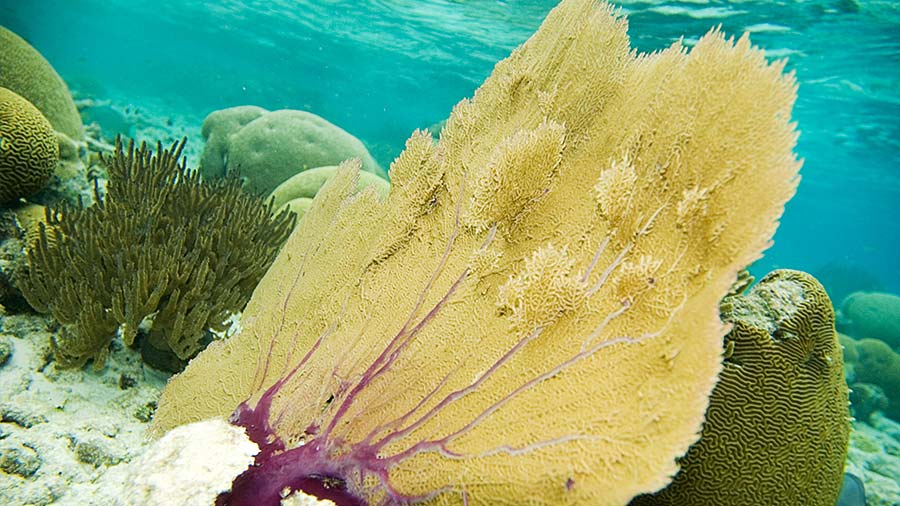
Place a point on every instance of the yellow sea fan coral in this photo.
(636, 277)
(376, 339)
(543, 291)
(614, 189)
(519, 172)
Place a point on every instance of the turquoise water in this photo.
(382, 68)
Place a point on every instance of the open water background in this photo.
(381, 68)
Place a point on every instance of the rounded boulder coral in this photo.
(299, 190)
(28, 147)
(872, 315)
(266, 148)
(877, 364)
(217, 130)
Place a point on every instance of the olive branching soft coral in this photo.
(161, 242)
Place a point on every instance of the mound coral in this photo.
(299, 190)
(266, 148)
(875, 363)
(160, 242)
(872, 315)
(531, 317)
(777, 427)
(216, 130)
(28, 148)
(24, 71)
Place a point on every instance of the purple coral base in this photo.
(276, 470)
(330, 468)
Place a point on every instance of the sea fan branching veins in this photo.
(531, 315)
(326, 460)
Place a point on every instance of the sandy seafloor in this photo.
(63, 430)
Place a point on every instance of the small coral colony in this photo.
(547, 304)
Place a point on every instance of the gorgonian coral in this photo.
(531, 316)
(160, 242)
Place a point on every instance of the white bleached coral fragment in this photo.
(190, 465)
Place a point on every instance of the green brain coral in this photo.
(24, 71)
(28, 147)
(217, 129)
(778, 424)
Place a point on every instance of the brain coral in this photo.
(778, 424)
(24, 71)
(28, 147)
(266, 148)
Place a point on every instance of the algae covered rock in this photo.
(24, 71)
(778, 424)
(190, 466)
(6, 349)
(29, 148)
(19, 460)
(267, 147)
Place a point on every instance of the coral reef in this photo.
(266, 148)
(28, 148)
(777, 426)
(24, 71)
(872, 315)
(161, 242)
(531, 317)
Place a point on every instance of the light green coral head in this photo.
(265, 148)
(24, 71)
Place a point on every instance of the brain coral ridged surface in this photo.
(28, 147)
(778, 423)
(25, 71)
